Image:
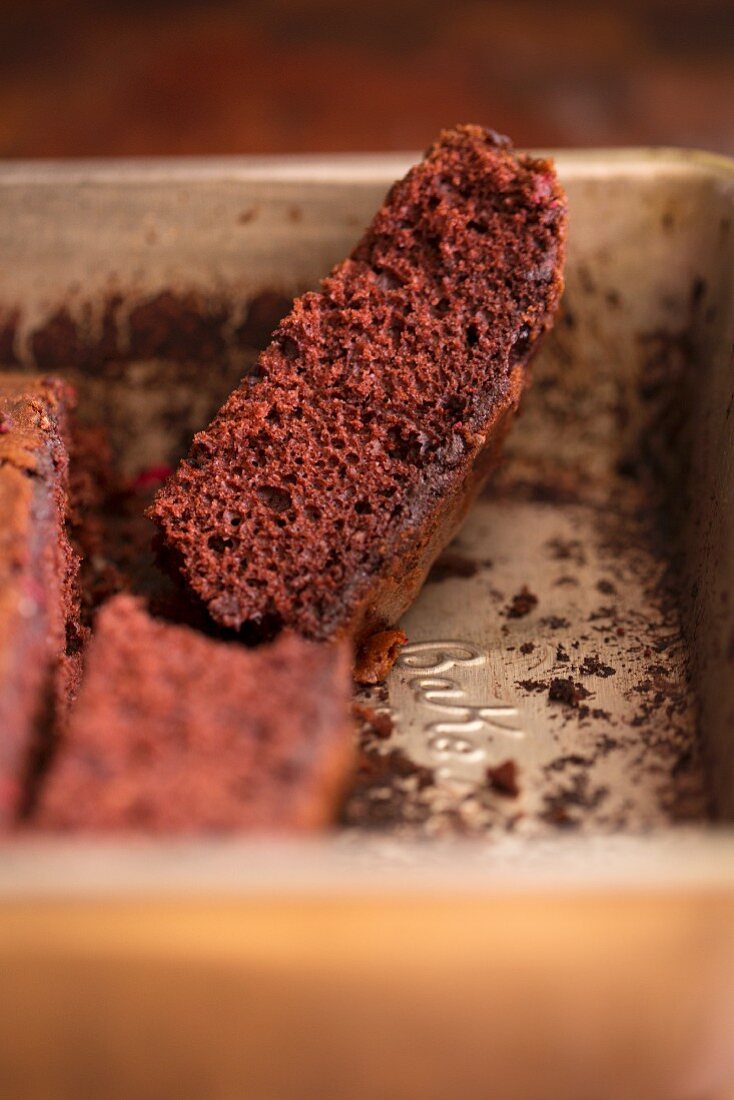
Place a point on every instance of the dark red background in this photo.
(83, 78)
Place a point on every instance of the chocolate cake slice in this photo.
(39, 600)
(321, 493)
(174, 732)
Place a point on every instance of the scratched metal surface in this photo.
(474, 687)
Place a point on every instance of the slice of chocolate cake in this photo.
(176, 733)
(39, 605)
(323, 490)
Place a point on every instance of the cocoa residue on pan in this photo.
(451, 565)
(180, 326)
(570, 760)
(566, 550)
(577, 794)
(532, 685)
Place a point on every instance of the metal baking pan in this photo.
(574, 939)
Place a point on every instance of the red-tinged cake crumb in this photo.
(173, 732)
(377, 655)
(151, 476)
(321, 493)
(39, 597)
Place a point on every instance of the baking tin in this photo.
(580, 943)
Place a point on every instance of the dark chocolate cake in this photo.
(321, 493)
(174, 732)
(39, 600)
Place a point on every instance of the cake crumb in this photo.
(592, 666)
(522, 603)
(559, 816)
(503, 779)
(564, 690)
(377, 656)
(555, 622)
(377, 722)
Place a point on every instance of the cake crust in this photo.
(39, 599)
(326, 486)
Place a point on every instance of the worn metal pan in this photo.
(567, 932)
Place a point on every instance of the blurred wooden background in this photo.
(83, 78)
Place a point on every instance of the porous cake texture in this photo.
(174, 732)
(327, 484)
